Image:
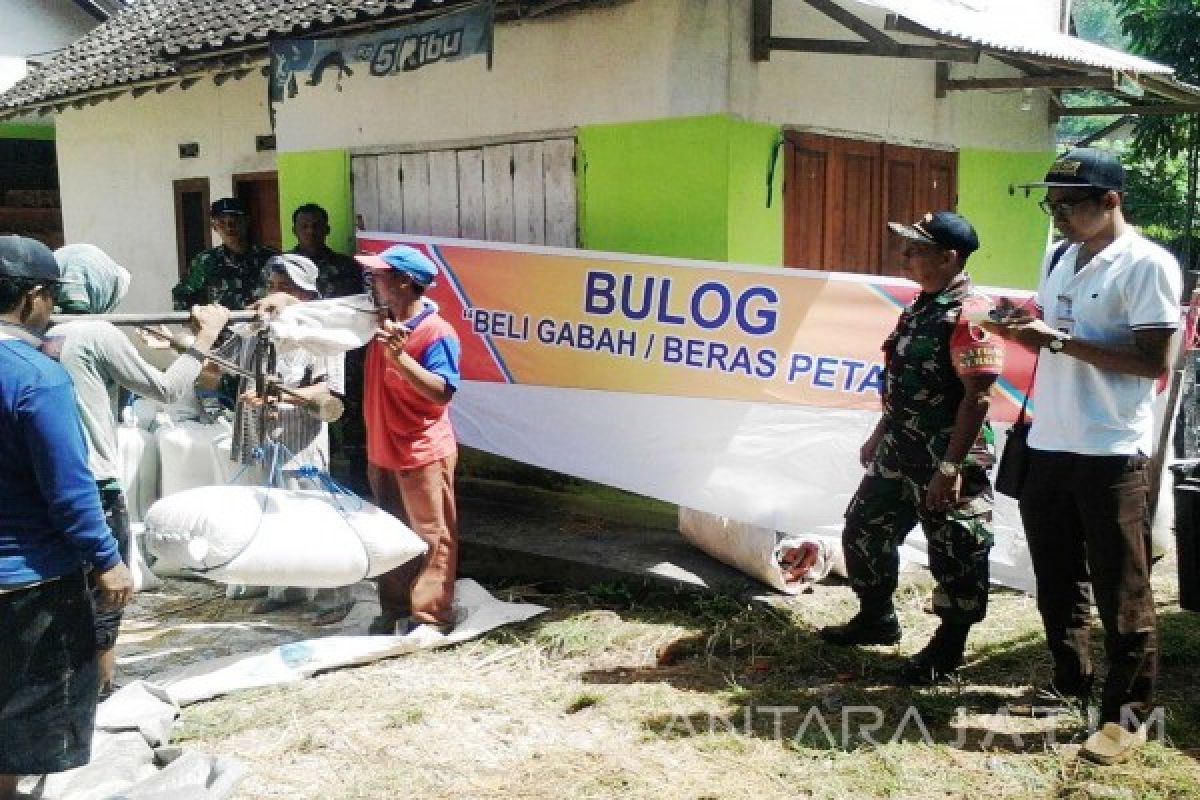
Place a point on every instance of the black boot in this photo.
(938, 661)
(875, 626)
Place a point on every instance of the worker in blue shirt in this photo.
(52, 530)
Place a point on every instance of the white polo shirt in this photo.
(1132, 284)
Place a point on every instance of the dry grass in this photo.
(686, 696)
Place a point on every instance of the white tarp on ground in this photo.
(477, 612)
(132, 759)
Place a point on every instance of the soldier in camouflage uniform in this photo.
(927, 459)
(340, 274)
(232, 274)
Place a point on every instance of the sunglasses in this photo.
(1062, 208)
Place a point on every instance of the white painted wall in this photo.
(649, 59)
(117, 160)
(639, 60)
(889, 98)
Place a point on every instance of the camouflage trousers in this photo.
(886, 507)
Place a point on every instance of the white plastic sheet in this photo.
(781, 467)
(476, 610)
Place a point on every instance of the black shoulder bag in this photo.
(1014, 459)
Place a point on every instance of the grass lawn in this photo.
(622, 693)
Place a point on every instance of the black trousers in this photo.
(116, 514)
(1088, 527)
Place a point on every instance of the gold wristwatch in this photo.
(949, 469)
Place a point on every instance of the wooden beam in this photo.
(1054, 81)
(852, 22)
(1141, 111)
(845, 48)
(941, 77)
(761, 35)
(1111, 127)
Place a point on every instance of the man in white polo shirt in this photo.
(1109, 307)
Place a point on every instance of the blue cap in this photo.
(408, 260)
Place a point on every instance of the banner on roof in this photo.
(586, 320)
(395, 51)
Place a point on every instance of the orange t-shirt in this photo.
(404, 429)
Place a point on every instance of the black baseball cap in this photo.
(29, 260)
(1085, 166)
(942, 228)
(228, 205)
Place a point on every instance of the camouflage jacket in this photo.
(339, 274)
(931, 347)
(219, 275)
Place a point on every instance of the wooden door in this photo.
(193, 231)
(915, 180)
(830, 207)
(839, 193)
(260, 192)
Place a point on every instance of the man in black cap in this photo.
(233, 273)
(927, 459)
(1109, 306)
(52, 529)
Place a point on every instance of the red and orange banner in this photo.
(639, 324)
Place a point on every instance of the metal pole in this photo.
(149, 318)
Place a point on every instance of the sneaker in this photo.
(864, 629)
(1048, 701)
(1112, 744)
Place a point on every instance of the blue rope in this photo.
(322, 478)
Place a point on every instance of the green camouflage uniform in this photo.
(221, 276)
(921, 395)
(339, 274)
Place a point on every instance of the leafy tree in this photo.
(1168, 31)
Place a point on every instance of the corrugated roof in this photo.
(1003, 29)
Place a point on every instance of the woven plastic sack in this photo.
(275, 537)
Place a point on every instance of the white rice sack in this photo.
(144, 579)
(185, 455)
(785, 562)
(138, 452)
(275, 537)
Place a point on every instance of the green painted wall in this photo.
(321, 177)
(19, 130)
(1012, 229)
(755, 230)
(692, 187)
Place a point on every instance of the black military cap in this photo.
(228, 205)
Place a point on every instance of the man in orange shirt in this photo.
(412, 372)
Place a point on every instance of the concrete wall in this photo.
(635, 61)
(694, 187)
(654, 59)
(883, 98)
(117, 161)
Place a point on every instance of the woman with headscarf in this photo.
(101, 360)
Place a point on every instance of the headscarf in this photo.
(100, 283)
